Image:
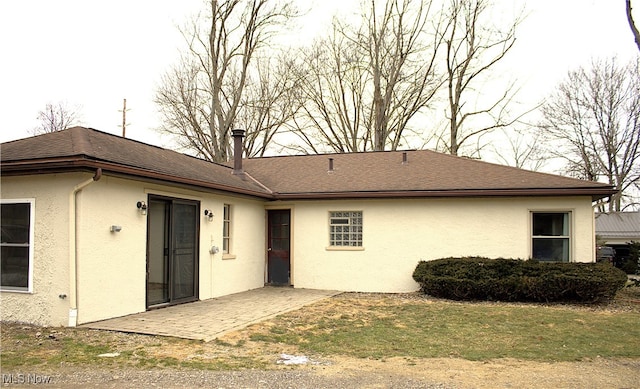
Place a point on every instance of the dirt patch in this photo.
(460, 373)
(503, 373)
(338, 371)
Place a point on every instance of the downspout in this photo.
(73, 251)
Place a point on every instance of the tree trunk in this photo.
(632, 25)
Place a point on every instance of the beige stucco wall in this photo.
(111, 265)
(399, 233)
(111, 271)
(43, 306)
(243, 268)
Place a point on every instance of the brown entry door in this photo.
(279, 250)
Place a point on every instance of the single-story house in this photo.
(96, 226)
(617, 230)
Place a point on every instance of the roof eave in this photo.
(596, 193)
(82, 163)
(62, 165)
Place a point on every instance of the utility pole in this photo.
(124, 118)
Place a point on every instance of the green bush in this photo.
(629, 266)
(632, 265)
(478, 278)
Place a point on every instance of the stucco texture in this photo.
(111, 266)
(399, 233)
(243, 268)
(43, 306)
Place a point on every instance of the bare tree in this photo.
(400, 87)
(632, 24)
(472, 49)
(594, 116)
(202, 96)
(523, 149)
(332, 96)
(56, 117)
(269, 103)
(363, 85)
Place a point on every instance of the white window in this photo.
(345, 229)
(226, 229)
(16, 245)
(551, 236)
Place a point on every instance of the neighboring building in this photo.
(617, 230)
(96, 226)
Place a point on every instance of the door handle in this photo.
(269, 249)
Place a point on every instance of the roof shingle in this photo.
(120, 155)
(424, 173)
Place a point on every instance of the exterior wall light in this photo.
(209, 214)
(142, 207)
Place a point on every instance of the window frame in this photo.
(568, 236)
(359, 244)
(226, 229)
(30, 245)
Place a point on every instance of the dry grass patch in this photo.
(353, 325)
(374, 326)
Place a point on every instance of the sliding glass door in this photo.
(172, 251)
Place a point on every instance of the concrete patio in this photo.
(209, 319)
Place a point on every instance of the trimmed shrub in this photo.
(478, 278)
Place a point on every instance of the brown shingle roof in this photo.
(356, 175)
(426, 173)
(81, 148)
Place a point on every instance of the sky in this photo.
(90, 55)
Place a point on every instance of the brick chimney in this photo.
(237, 151)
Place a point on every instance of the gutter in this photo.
(66, 164)
(595, 193)
(62, 165)
(73, 249)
